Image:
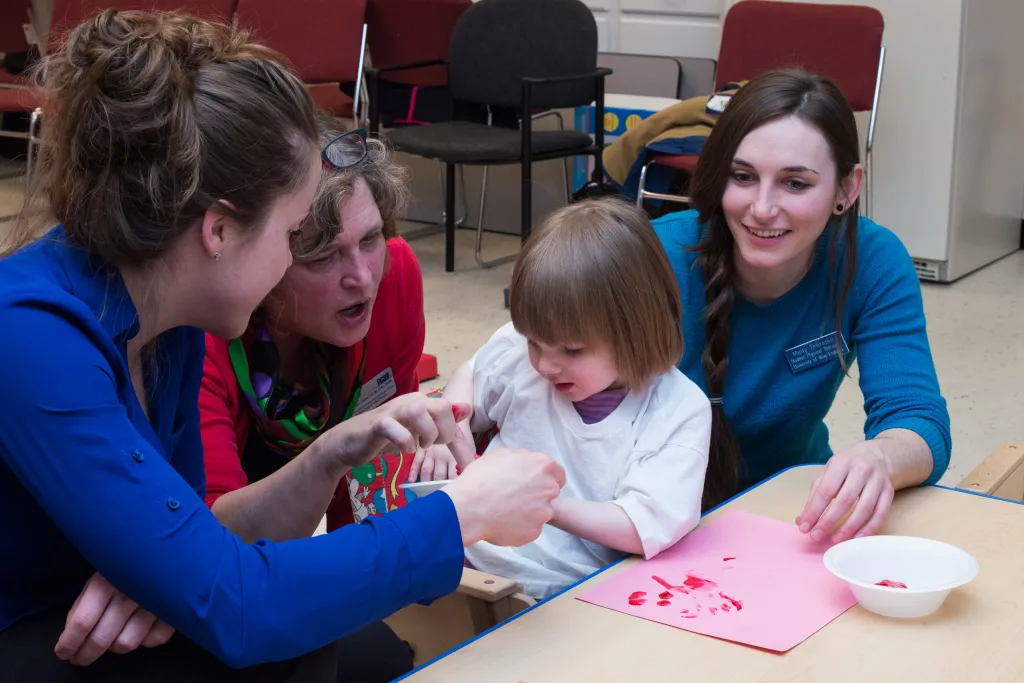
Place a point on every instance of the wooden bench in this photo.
(1000, 474)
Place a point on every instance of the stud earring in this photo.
(216, 257)
(839, 207)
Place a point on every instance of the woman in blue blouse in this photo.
(181, 159)
(784, 287)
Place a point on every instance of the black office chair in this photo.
(520, 54)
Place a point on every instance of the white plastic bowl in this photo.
(422, 488)
(930, 569)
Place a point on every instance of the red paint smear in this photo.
(637, 602)
(726, 607)
(891, 584)
(689, 616)
(735, 603)
(712, 610)
(663, 582)
(666, 595)
(695, 582)
(663, 603)
(638, 594)
(685, 611)
(726, 559)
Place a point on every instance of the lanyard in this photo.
(357, 385)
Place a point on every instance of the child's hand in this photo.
(433, 463)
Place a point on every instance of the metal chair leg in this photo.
(437, 228)
(449, 223)
(480, 232)
(640, 193)
(869, 192)
(33, 137)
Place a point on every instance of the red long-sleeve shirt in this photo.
(394, 340)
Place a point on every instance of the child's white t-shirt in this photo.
(648, 456)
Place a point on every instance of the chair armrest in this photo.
(999, 474)
(487, 587)
(601, 72)
(406, 67)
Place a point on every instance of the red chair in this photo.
(412, 31)
(13, 14)
(841, 42)
(323, 39)
(15, 96)
(401, 32)
(69, 13)
(66, 15)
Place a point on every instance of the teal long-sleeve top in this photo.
(88, 483)
(784, 371)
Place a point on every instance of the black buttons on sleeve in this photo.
(138, 456)
(173, 503)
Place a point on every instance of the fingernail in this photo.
(817, 534)
(805, 527)
(859, 536)
(837, 537)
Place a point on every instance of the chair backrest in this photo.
(646, 75)
(408, 31)
(69, 13)
(841, 42)
(13, 14)
(497, 43)
(321, 38)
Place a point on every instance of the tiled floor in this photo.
(975, 326)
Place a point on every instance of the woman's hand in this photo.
(856, 486)
(404, 423)
(505, 498)
(434, 462)
(103, 618)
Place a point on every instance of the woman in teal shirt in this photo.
(181, 158)
(784, 287)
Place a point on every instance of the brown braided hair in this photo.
(768, 97)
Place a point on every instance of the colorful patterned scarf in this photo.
(289, 417)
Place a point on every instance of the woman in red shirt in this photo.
(341, 334)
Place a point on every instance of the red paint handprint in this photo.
(692, 587)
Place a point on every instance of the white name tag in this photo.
(376, 392)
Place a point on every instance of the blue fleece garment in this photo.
(778, 388)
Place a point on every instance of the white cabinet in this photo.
(677, 28)
(949, 147)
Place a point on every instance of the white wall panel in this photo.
(683, 37)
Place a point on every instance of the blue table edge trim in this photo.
(609, 566)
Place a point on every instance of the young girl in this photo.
(586, 374)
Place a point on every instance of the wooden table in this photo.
(977, 634)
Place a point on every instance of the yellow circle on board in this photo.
(611, 122)
(632, 120)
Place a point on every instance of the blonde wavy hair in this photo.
(388, 183)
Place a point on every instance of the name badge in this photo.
(376, 392)
(815, 352)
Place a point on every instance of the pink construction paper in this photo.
(743, 577)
